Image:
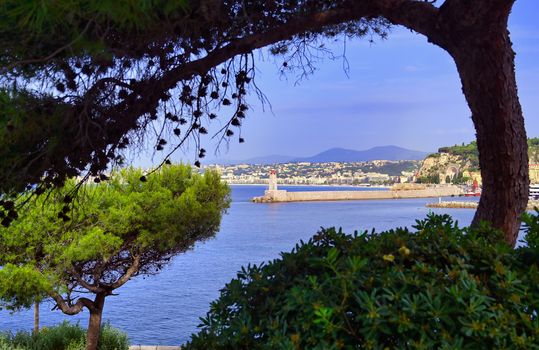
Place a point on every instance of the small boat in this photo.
(534, 192)
(472, 194)
(474, 191)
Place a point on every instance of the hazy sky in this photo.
(401, 91)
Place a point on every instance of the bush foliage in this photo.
(468, 152)
(440, 287)
(65, 336)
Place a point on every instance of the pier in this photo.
(274, 195)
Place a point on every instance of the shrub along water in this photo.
(439, 287)
(65, 336)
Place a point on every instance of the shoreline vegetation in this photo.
(65, 335)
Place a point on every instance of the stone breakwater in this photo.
(273, 196)
(460, 205)
(471, 205)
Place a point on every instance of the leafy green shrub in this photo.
(531, 225)
(533, 142)
(64, 336)
(53, 338)
(429, 179)
(441, 287)
(112, 338)
(5, 344)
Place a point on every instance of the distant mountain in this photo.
(336, 155)
(375, 153)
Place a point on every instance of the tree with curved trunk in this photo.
(476, 36)
(123, 228)
(105, 80)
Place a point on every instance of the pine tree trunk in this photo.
(94, 325)
(485, 61)
(36, 318)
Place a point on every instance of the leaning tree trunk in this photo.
(475, 35)
(94, 325)
(485, 62)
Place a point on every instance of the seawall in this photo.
(285, 196)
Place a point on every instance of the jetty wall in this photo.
(271, 196)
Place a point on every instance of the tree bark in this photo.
(36, 318)
(475, 35)
(94, 325)
(482, 51)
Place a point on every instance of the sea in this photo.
(165, 309)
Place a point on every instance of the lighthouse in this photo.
(272, 194)
(272, 183)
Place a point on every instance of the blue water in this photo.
(165, 309)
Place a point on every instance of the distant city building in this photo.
(305, 173)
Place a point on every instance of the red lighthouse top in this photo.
(273, 172)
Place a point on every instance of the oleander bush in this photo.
(437, 287)
(65, 336)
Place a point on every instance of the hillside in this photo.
(463, 158)
(533, 150)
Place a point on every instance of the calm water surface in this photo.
(165, 309)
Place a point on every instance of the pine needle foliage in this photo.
(119, 229)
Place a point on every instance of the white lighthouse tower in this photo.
(272, 184)
(272, 194)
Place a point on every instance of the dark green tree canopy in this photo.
(82, 81)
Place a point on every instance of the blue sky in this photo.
(401, 91)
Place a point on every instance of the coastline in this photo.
(308, 185)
